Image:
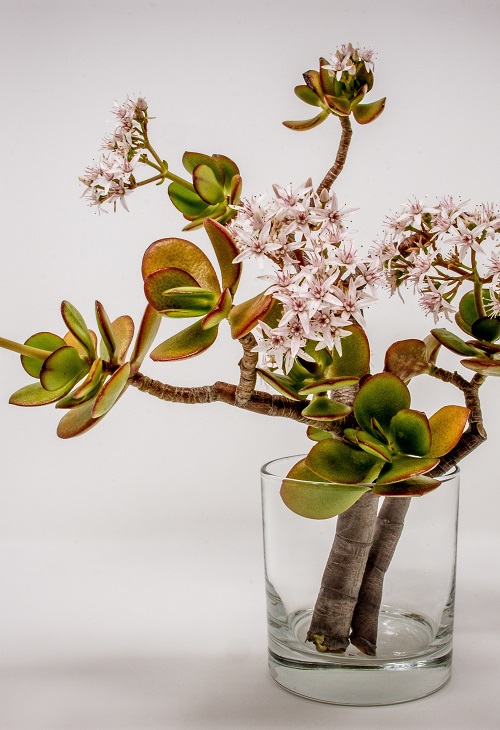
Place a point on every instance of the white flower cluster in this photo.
(319, 277)
(111, 178)
(437, 248)
(346, 57)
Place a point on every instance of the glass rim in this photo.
(265, 471)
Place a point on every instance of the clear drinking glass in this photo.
(416, 617)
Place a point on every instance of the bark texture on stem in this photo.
(331, 620)
(340, 159)
(248, 375)
(390, 521)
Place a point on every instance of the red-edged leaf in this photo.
(77, 421)
(365, 113)
(244, 317)
(219, 312)
(226, 251)
(187, 343)
(35, 395)
(180, 254)
(111, 391)
(447, 426)
(148, 330)
(305, 124)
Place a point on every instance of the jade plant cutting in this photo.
(303, 333)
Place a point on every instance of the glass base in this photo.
(409, 663)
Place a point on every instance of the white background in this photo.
(130, 558)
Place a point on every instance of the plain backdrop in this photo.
(132, 592)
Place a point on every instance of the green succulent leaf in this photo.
(365, 113)
(148, 330)
(467, 307)
(405, 467)
(454, 343)
(106, 330)
(371, 445)
(305, 494)
(230, 169)
(339, 104)
(327, 81)
(341, 463)
(62, 367)
(226, 251)
(410, 432)
(161, 281)
(76, 324)
(35, 395)
(414, 487)
(313, 81)
(323, 408)
(321, 386)
(113, 388)
(447, 426)
(187, 201)
(206, 184)
(189, 301)
(380, 398)
(462, 324)
(307, 95)
(77, 421)
(244, 317)
(304, 125)
(219, 212)
(219, 312)
(87, 389)
(355, 358)
(234, 197)
(123, 329)
(192, 160)
(317, 434)
(180, 254)
(42, 341)
(282, 383)
(189, 342)
(486, 328)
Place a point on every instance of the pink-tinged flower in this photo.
(466, 238)
(257, 244)
(433, 303)
(494, 270)
(366, 55)
(318, 291)
(352, 302)
(346, 256)
(328, 330)
(419, 266)
(341, 62)
(295, 305)
(331, 216)
(289, 197)
(493, 307)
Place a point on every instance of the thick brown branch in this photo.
(248, 375)
(340, 159)
(258, 402)
(390, 521)
(331, 620)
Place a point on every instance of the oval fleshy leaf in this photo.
(123, 329)
(462, 324)
(313, 80)
(380, 398)
(234, 197)
(148, 330)
(87, 389)
(187, 201)
(229, 167)
(323, 408)
(217, 212)
(410, 432)
(467, 307)
(371, 445)
(160, 281)
(189, 342)
(317, 434)
(305, 495)
(307, 95)
(282, 383)
(305, 124)
(219, 312)
(414, 487)
(189, 301)
(454, 343)
(244, 317)
(106, 330)
(42, 341)
(180, 254)
(62, 367)
(226, 251)
(72, 341)
(365, 113)
(407, 359)
(77, 421)
(111, 391)
(483, 367)
(35, 395)
(191, 160)
(405, 467)
(206, 184)
(76, 324)
(321, 386)
(341, 463)
(355, 358)
(447, 426)
(486, 328)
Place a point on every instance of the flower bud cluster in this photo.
(320, 279)
(347, 59)
(111, 178)
(437, 248)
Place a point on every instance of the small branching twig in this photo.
(248, 375)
